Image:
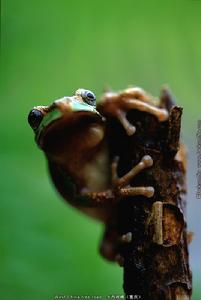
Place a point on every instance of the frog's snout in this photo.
(34, 118)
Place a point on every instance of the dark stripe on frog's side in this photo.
(66, 187)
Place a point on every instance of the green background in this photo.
(49, 49)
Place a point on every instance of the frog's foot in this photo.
(121, 185)
(160, 113)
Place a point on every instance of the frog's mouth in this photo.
(60, 130)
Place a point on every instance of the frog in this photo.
(72, 134)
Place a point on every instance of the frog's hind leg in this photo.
(121, 185)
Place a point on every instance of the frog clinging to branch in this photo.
(72, 134)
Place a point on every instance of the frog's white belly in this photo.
(97, 172)
(98, 178)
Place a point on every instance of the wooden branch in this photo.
(155, 252)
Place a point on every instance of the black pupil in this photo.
(90, 96)
(34, 118)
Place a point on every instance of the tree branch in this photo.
(156, 258)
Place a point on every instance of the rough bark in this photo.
(156, 260)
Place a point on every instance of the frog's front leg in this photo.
(129, 104)
(119, 104)
(121, 186)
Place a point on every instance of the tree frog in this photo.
(72, 134)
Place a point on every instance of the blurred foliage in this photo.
(49, 49)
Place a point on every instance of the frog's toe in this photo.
(163, 115)
(146, 191)
(130, 130)
(126, 238)
(149, 191)
(147, 160)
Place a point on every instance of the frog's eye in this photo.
(88, 97)
(34, 118)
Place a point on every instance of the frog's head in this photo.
(68, 124)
